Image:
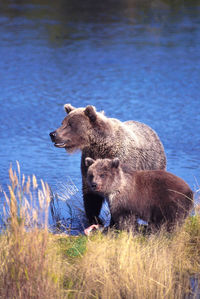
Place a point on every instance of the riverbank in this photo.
(38, 264)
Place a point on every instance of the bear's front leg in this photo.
(92, 201)
(93, 204)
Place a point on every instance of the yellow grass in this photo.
(37, 264)
(29, 263)
(133, 267)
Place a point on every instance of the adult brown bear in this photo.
(156, 196)
(98, 136)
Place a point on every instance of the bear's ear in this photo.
(88, 161)
(115, 163)
(68, 108)
(91, 113)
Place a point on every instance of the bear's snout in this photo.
(53, 136)
(57, 141)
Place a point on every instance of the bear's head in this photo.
(76, 129)
(103, 175)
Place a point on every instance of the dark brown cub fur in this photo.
(156, 196)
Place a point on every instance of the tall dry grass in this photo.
(29, 264)
(132, 267)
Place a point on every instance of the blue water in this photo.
(137, 61)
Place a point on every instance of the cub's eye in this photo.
(102, 175)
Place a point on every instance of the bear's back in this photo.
(144, 136)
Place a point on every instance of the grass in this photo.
(34, 263)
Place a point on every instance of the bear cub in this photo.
(155, 196)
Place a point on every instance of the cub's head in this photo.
(102, 175)
(76, 128)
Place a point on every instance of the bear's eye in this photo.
(102, 175)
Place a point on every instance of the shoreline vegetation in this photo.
(35, 263)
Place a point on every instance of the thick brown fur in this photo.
(156, 196)
(98, 136)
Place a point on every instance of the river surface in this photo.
(135, 60)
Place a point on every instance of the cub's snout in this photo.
(94, 186)
(92, 183)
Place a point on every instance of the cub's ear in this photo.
(89, 161)
(68, 108)
(115, 163)
(91, 113)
